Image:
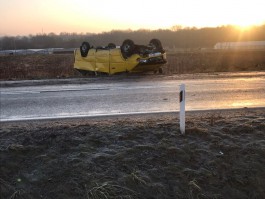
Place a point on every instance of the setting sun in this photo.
(22, 17)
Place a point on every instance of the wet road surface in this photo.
(94, 99)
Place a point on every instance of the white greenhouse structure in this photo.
(252, 45)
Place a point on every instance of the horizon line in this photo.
(181, 27)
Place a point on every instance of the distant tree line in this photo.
(176, 37)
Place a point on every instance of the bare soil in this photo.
(220, 156)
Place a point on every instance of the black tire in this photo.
(111, 46)
(156, 45)
(84, 48)
(82, 72)
(127, 48)
(86, 72)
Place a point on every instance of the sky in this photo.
(24, 17)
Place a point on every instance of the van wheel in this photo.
(84, 48)
(111, 46)
(127, 48)
(156, 44)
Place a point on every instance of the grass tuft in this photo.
(108, 190)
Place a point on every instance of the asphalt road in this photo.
(122, 97)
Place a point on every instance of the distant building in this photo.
(24, 51)
(38, 51)
(253, 45)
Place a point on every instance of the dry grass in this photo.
(36, 66)
(136, 157)
(108, 190)
(215, 61)
(61, 65)
(16, 193)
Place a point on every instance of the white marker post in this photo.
(182, 108)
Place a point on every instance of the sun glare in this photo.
(246, 23)
(244, 28)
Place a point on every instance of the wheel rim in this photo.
(126, 48)
(84, 48)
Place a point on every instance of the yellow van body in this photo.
(111, 61)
